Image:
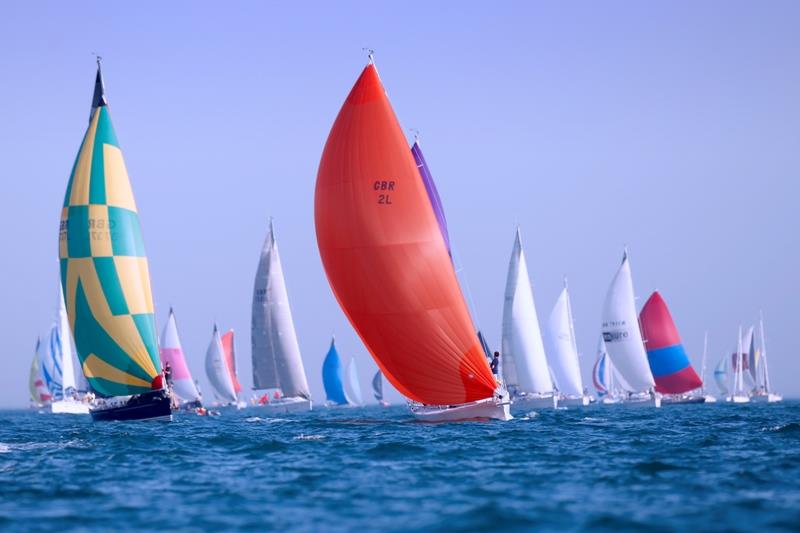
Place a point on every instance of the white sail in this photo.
(523, 360)
(352, 388)
(65, 339)
(275, 351)
(562, 349)
(217, 370)
(621, 331)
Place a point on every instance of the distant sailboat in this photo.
(333, 377)
(523, 362)
(709, 398)
(229, 351)
(65, 394)
(739, 395)
(388, 264)
(563, 353)
(763, 391)
(672, 371)
(218, 370)
(377, 389)
(623, 338)
(604, 377)
(40, 395)
(721, 376)
(183, 385)
(106, 280)
(352, 387)
(277, 363)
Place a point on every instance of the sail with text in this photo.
(386, 258)
(104, 269)
(621, 333)
(333, 377)
(672, 371)
(277, 363)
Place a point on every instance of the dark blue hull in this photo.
(148, 406)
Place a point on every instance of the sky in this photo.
(672, 128)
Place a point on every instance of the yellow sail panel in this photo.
(118, 186)
(135, 280)
(94, 367)
(79, 183)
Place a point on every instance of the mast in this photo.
(764, 351)
(703, 364)
(738, 375)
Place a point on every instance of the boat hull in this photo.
(676, 401)
(154, 405)
(285, 406)
(489, 408)
(738, 399)
(580, 401)
(536, 402)
(709, 399)
(766, 398)
(69, 407)
(643, 401)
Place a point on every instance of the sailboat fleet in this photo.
(383, 239)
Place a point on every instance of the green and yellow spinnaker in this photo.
(104, 268)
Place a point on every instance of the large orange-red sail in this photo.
(386, 259)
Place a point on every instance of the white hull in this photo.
(643, 401)
(766, 398)
(607, 400)
(710, 399)
(581, 401)
(489, 408)
(69, 407)
(738, 399)
(529, 401)
(285, 406)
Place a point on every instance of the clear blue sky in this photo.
(672, 127)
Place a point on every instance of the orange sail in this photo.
(386, 259)
(230, 359)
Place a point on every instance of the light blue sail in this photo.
(333, 377)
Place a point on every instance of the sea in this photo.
(714, 467)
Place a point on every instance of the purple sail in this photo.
(433, 194)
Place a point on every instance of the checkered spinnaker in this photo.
(104, 269)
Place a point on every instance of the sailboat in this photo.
(377, 389)
(563, 353)
(352, 387)
(708, 398)
(275, 351)
(106, 281)
(738, 395)
(219, 371)
(673, 373)
(523, 362)
(39, 394)
(605, 378)
(721, 376)
(183, 385)
(762, 392)
(229, 353)
(389, 267)
(333, 378)
(623, 338)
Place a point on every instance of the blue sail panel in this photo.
(333, 377)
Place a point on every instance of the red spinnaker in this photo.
(230, 359)
(386, 259)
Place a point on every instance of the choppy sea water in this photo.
(613, 468)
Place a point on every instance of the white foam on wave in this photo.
(529, 416)
(5, 448)
(309, 437)
(258, 419)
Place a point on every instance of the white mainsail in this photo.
(277, 363)
(65, 340)
(217, 370)
(352, 388)
(524, 364)
(621, 331)
(561, 347)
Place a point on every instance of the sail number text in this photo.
(384, 187)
